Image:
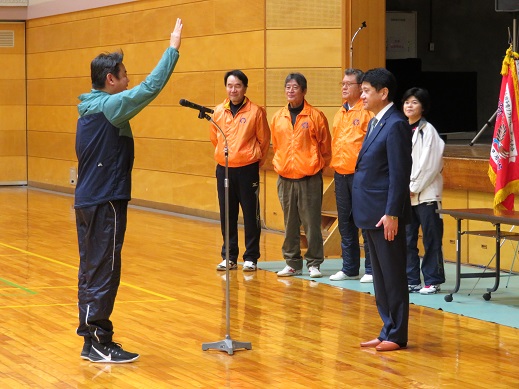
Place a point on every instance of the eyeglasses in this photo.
(295, 88)
(348, 84)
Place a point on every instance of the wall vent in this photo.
(6, 38)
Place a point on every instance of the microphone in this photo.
(189, 104)
(363, 25)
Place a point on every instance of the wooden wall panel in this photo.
(290, 14)
(13, 170)
(251, 16)
(10, 64)
(50, 145)
(50, 173)
(55, 118)
(13, 150)
(323, 85)
(16, 94)
(170, 123)
(174, 163)
(12, 143)
(291, 48)
(187, 191)
(369, 47)
(12, 118)
(50, 92)
(273, 211)
(175, 156)
(231, 51)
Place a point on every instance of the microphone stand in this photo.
(487, 124)
(226, 344)
(352, 39)
(512, 38)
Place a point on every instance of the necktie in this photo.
(372, 126)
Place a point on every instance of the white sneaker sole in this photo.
(296, 273)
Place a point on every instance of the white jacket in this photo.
(426, 177)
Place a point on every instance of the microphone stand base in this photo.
(228, 345)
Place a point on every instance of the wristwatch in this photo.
(392, 217)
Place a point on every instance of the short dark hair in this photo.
(382, 78)
(356, 72)
(239, 75)
(299, 78)
(422, 95)
(102, 65)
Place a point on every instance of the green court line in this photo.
(18, 286)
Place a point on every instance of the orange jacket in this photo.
(349, 130)
(303, 149)
(248, 134)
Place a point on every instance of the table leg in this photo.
(448, 297)
(498, 263)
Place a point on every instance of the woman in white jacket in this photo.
(426, 188)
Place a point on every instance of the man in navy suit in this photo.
(382, 207)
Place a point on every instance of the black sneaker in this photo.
(110, 353)
(86, 347)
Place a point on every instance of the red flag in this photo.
(504, 165)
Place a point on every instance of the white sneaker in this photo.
(289, 272)
(222, 265)
(414, 288)
(430, 289)
(249, 266)
(341, 276)
(367, 278)
(314, 272)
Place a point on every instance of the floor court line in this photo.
(75, 268)
(16, 286)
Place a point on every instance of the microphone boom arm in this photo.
(351, 43)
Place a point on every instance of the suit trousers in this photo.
(388, 259)
(101, 229)
(301, 201)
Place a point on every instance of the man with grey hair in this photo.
(302, 148)
(349, 129)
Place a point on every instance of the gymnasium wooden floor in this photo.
(172, 300)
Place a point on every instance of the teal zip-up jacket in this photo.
(104, 140)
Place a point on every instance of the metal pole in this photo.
(351, 43)
(226, 344)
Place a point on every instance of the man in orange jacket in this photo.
(302, 148)
(349, 129)
(248, 139)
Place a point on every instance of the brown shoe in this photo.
(371, 343)
(386, 345)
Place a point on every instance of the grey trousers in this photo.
(301, 202)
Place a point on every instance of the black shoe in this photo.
(110, 352)
(86, 347)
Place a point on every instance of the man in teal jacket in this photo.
(105, 152)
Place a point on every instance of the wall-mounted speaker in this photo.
(507, 5)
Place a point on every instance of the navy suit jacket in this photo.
(383, 171)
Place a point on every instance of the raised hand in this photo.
(176, 35)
